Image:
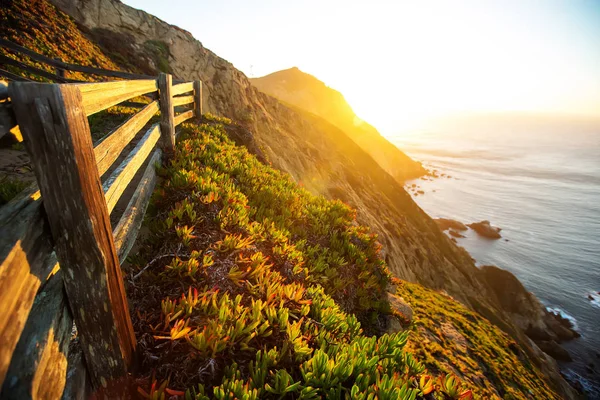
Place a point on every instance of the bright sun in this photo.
(415, 62)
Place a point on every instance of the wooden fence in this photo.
(64, 220)
(59, 75)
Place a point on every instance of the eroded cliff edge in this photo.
(314, 152)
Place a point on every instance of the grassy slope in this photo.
(243, 284)
(39, 26)
(447, 337)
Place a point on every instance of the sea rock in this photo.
(455, 234)
(486, 230)
(528, 313)
(554, 350)
(561, 320)
(447, 223)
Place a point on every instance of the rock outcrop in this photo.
(528, 313)
(447, 223)
(486, 230)
(455, 234)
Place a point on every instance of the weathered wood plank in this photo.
(108, 150)
(118, 181)
(100, 96)
(184, 117)
(3, 90)
(78, 385)
(40, 370)
(58, 70)
(182, 100)
(7, 118)
(58, 139)
(198, 111)
(127, 229)
(167, 113)
(182, 88)
(40, 72)
(25, 246)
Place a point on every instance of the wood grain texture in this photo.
(167, 114)
(100, 96)
(78, 386)
(118, 181)
(25, 251)
(129, 225)
(198, 111)
(3, 90)
(184, 117)
(182, 88)
(7, 118)
(182, 100)
(40, 371)
(58, 140)
(108, 150)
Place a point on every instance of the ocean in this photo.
(540, 183)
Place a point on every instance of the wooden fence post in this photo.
(57, 137)
(198, 99)
(167, 113)
(60, 71)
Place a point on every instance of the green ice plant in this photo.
(265, 309)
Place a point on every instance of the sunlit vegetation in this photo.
(39, 26)
(247, 286)
(449, 338)
(251, 287)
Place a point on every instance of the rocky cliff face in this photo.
(308, 93)
(312, 150)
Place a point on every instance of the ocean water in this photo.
(541, 185)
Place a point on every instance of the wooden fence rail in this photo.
(63, 66)
(60, 260)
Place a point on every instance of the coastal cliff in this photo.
(304, 91)
(317, 154)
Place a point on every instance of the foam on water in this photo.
(563, 314)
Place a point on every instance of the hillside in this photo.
(316, 154)
(238, 295)
(306, 92)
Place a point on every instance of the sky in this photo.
(400, 63)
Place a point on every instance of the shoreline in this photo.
(571, 369)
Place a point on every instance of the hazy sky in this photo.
(400, 62)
